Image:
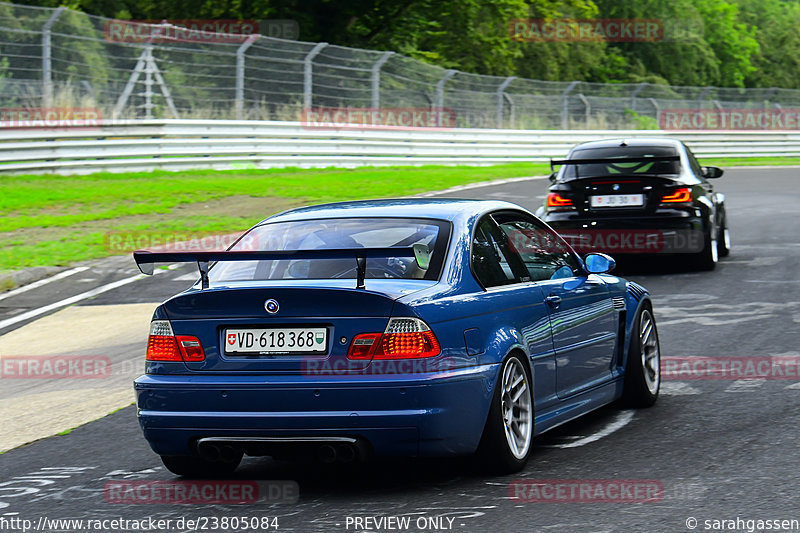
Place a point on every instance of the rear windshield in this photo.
(338, 233)
(593, 170)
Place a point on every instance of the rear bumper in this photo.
(426, 415)
(670, 233)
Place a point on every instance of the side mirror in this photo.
(712, 172)
(552, 177)
(599, 263)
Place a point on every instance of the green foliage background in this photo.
(728, 43)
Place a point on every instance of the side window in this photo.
(545, 255)
(694, 164)
(490, 256)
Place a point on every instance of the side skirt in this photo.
(578, 405)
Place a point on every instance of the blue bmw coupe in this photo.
(417, 327)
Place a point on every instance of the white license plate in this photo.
(617, 200)
(278, 341)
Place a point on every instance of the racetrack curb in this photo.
(18, 278)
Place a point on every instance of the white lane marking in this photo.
(45, 281)
(619, 422)
(794, 386)
(479, 185)
(672, 388)
(72, 299)
(716, 314)
(745, 385)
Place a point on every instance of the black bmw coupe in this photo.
(638, 196)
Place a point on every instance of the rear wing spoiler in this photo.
(555, 162)
(146, 259)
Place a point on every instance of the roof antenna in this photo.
(623, 143)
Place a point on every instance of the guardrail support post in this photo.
(438, 102)
(702, 97)
(376, 79)
(240, 74)
(500, 98)
(635, 93)
(565, 104)
(47, 66)
(308, 82)
(511, 113)
(657, 107)
(587, 108)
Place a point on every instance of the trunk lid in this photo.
(624, 189)
(221, 317)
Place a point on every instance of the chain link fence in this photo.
(64, 58)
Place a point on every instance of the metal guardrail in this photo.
(137, 145)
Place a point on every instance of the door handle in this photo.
(553, 301)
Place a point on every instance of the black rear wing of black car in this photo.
(641, 159)
(146, 259)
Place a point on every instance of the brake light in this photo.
(556, 200)
(164, 345)
(679, 195)
(190, 347)
(363, 346)
(404, 338)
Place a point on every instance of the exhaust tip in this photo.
(228, 454)
(209, 452)
(327, 453)
(345, 453)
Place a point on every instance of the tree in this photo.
(778, 63)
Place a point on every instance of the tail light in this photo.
(681, 195)
(164, 345)
(403, 338)
(557, 202)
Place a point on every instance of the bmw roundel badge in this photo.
(271, 306)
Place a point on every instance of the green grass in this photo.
(58, 220)
(751, 161)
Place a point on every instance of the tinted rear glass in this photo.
(593, 170)
(338, 233)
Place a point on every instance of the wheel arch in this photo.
(502, 342)
(634, 307)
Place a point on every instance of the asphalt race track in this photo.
(720, 449)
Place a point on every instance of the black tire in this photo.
(724, 239)
(197, 468)
(707, 258)
(639, 390)
(495, 449)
